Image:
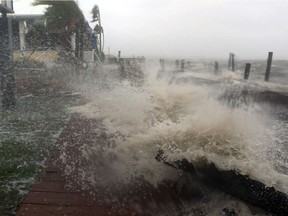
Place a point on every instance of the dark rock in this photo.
(231, 182)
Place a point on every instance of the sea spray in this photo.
(186, 121)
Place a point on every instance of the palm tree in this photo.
(98, 29)
(64, 18)
(61, 16)
(95, 13)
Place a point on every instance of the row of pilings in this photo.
(181, 65)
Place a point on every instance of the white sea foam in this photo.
(186, 121)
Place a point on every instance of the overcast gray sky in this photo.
(189, 28)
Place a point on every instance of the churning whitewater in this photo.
(185, 120)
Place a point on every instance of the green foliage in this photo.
(7, 150)
(44, 2)
(98, 29)
(49, 2)
(37, 37)
(101, 56)
(27, 136)
(8, 197)
(15, 163)
(61, 16)
(17, 159)
(95, 13)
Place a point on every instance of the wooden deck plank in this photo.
(48, 187)
(51, 177)
(48, 210)
(54, 198)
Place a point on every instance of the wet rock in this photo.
(229, 212)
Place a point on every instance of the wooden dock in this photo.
(56, 193)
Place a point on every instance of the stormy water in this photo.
(189, 116)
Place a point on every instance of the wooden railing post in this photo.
(162, 64)
(182, 65)
(216, 67)
(119, 54)
(268, 68)
(247, 71)
(232, 62)
(229, 62)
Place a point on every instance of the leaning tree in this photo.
(98, 31)
(63, 18)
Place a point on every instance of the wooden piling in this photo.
(229, 62)
(119, 54)
(232, 62)
(162, 64)
(177, 64)
(216, 67)
(182, 65)
(247, 71)
(268, 68)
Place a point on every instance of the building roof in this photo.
(28, 16)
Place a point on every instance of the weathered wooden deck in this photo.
(56, 193)
(49, 197)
